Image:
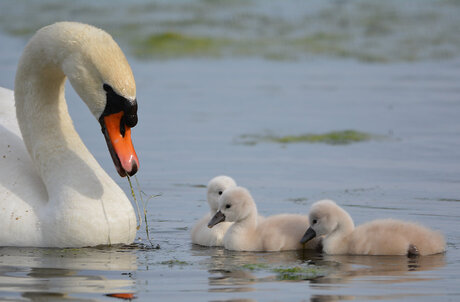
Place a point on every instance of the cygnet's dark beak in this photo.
(309, 235)
(218, 218)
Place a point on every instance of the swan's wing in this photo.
(22, 192)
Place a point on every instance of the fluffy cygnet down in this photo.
(200, 233)
(378, 237)
(249, 233)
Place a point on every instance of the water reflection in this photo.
(241, 271)
(56, 274)
(231, 271)
(387, 269)
(374, 270)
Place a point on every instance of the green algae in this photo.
(293, 273)
(174, 262)
(256, 266)
(298, 273)
(334, 138)
(344, 137)
(173, 44)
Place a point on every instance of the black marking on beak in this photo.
(123, 125)
(218, 218)
(116, 103)
(309, 235)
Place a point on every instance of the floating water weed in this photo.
(343, 137)
(174, 262)
(294, 273)
(298, 273)
(256, 266)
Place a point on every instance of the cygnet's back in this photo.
(394, 237)
(200, 233)
(282, 232)
(250, 233)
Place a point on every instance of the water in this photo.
(193, 112)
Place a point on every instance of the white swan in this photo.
(200, 233)
(53, 193)
(248, 233)
(378, 237)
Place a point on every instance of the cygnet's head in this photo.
(235, 204)
(216, 188)
(325, 217)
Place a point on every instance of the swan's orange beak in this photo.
(118, 138)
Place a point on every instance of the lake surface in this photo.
(208, 112)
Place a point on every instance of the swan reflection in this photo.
(57, 274)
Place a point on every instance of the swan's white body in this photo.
(200, 233)
(53, 193)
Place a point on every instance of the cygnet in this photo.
(200, 233)
(378, 237)
(250, 233)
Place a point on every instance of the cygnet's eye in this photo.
(220, 192)
(314, 221)
(227, 206)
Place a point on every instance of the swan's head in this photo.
(325, 217)
(216, 187)
(235, 204)
(100, 74)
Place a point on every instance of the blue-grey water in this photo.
(258, 68)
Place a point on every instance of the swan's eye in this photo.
(314, 221)
(228, 206)
(220, 192)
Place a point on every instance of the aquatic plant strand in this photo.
(144, 207)
(135, 201)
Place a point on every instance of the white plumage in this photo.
(53, 193)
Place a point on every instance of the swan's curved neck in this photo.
(44, 121)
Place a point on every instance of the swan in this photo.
(53, 193)
(200, 233)
(378, 237)
(274, 233)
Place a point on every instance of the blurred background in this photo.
(369, 31)
(356, 101)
